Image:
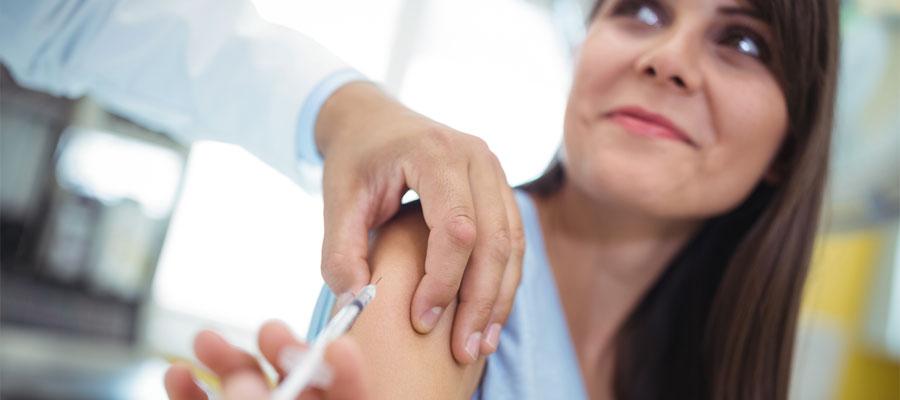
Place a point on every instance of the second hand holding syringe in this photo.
(301, 375)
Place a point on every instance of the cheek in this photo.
(749, 132)
(604, 58)
(602, 78)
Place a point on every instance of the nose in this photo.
(673, 62)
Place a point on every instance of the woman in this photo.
(667, 247)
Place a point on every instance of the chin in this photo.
(649, 178)
(637, 189)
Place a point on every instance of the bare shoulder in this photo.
(401, 363)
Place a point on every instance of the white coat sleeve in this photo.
(196, 70)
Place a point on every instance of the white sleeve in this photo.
(197, 70)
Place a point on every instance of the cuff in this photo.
(307, 151)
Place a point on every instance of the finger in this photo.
(274, 338)
(482, 278)
(221, 357)
(245, 385)
(345, 239)
(449, 213)
(344, 357)
(180, 384)
(513, 272)
(346, 360)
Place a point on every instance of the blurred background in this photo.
(118, 244)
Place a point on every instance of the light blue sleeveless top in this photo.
(536, 358)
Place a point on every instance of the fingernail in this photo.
(472, 345)
(492, 337)
(429, 318)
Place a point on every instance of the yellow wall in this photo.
(838, 289)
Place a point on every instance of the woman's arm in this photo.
(384, 357)
(404, 364)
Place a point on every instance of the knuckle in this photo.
(480, 307)
(480, 145)
(461, 229)
(500, 246)
(496, 161)
(439, 137)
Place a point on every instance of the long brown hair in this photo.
(720, 322)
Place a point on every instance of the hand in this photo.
(375, 149)
(242, 377)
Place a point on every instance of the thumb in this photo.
(345, 241)
(245, 385)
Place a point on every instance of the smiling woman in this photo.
(747, 91)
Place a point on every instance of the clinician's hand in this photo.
(375, 149)
(242, 378)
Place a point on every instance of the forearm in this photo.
(199, 70)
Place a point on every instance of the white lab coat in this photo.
(197, 69)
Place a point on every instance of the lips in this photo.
(639, 121)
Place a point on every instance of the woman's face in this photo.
(674, 107)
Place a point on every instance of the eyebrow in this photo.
(747, 12)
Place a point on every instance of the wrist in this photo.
(350, 108)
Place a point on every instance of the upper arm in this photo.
(402, 363)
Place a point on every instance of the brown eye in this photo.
(645, 12)
(648, 16)
(747, 43)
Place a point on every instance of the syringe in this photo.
(300, 376)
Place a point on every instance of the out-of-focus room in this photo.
(120, 243)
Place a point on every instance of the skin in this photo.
(629, 202)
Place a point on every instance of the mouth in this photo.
(639, 121)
